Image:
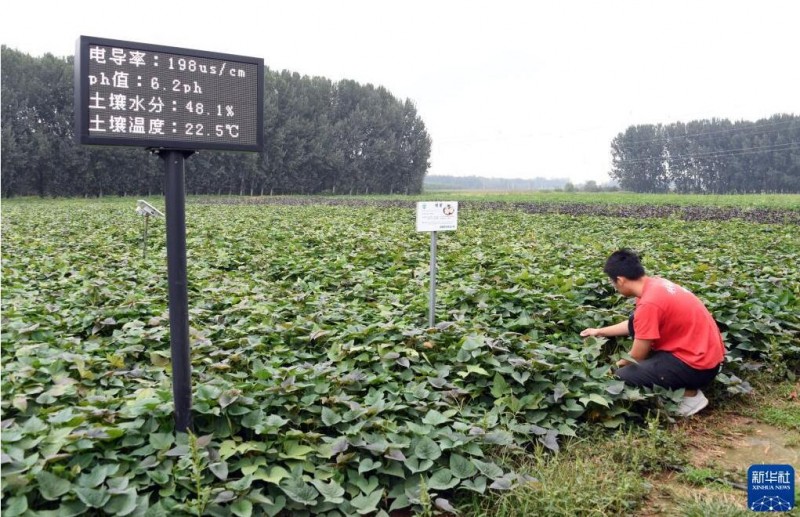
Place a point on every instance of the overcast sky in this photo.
(506, 89)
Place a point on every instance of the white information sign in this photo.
(437, 216)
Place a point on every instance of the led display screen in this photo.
(143, 95)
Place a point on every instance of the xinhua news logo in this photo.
(770, 488)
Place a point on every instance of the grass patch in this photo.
(705, 476)
(718, 505)
(598, 475)
(786, 417)
(699, 476)
(777, 402)
(568, 485)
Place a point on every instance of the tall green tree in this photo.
(710, 156)
(320, 136)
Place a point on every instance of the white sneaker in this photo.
(691, 405)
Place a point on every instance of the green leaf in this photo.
(228, 397)
(417, 465)
(500, 387)
(332, 492)
(559, 391)
(161, 441)
(365, 504)
(444, 504)
(442, 479)
(33, 426)
(400, 502)
(367, 465)
(160, 358)
(472, 342)
(275, 421)
(121, 504)
(68, 509)
(207, 391)
(293, 450)
(473, 368)
(242, 508)
(461, 467)
(596, 398)
(240, 485)
(253, 418)
(301, 492)
(339, 446)
(476, 485)
(227, 449)
(51, 486)
(427, 449)
(279, 503)
(616, 388)
(226, 496)
(499, 437)
(16, 506)
(98, 474)
(329, 417)
(503, 483)
(219, 469)
(178, 450)
(435, 418)
(488, 469)
(62, 417)
(550, 440)
(251, 464)
(274, 475)
(366, 486)
(520, 377)
(395, 454)
(421, 430)
(93, 498)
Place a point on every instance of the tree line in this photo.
(714, 156)
(320, 137)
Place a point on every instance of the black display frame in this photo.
(83, 92)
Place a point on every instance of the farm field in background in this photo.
(317, 386)
(786, 201)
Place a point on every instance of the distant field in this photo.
(767, 201)
(754, 209)
(783, 201)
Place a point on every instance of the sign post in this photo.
(146, 209)
(178, 298)
(172, 101)
(435, 216)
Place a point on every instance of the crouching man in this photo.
(676, 342)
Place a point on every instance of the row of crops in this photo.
(318, 387)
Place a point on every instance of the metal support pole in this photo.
(144, 239)
(432, 307)
(178, 298)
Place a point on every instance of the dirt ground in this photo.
(723, 443)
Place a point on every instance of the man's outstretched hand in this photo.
(590, 332)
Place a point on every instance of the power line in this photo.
(506, 138)
(720, 154)
(748, 128)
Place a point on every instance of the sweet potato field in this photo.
(318, 387)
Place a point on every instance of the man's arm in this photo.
(640, 350)
(620, 329)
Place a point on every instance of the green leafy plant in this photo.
(317, 385)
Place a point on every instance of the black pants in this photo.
(665, 370)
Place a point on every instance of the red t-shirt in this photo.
(678, 322)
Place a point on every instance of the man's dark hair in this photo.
(624, 263)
